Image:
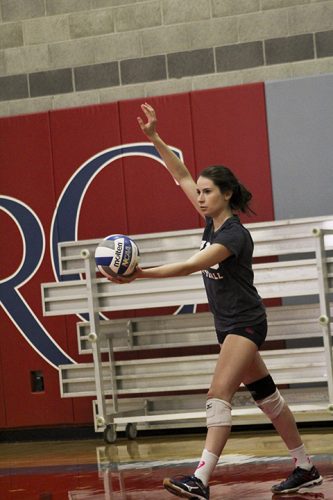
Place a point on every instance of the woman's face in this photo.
(210, 199)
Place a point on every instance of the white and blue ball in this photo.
(117, 255)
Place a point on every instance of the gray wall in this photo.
(65, 53)
(300, 124)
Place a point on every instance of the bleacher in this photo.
(293, 263)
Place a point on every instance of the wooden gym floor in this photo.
(131, 470)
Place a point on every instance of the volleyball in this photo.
(117, 255)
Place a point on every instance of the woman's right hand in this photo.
(121, 280)
(149, 128)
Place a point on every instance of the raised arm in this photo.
(175, 166)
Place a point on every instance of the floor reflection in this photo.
(128, 470)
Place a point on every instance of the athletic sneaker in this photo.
(187, 487)
(300, 478)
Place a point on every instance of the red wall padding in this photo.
(27, 175)
(153, 198)
(134, 194)
(229, 128)
(2, 396)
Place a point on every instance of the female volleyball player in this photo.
(225, 259)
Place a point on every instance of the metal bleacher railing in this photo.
(134, 393)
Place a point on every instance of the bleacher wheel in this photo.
(131, 431)
(110, 434)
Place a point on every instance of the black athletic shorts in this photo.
(256, 333)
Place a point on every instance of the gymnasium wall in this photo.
(300, 118)
(84, 173)
(64, 53)
(87, 172)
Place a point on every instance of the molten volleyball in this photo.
(117, 255)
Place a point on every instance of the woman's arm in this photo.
(201, 260)
(175, 166)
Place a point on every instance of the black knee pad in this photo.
(262, 388)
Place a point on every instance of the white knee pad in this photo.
(272, 405)
(218, 413)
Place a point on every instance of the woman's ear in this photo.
(227, 195)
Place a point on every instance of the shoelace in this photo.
(191, 479)
(296, 473)
(184, 479)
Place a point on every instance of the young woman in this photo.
(225, 260)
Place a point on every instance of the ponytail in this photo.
(240, 199)
(225, 180)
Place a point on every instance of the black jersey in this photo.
(233, 299)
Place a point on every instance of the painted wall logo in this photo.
(64, 227)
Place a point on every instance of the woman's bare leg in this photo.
(236, 356)
(305, 473)
(285, 423)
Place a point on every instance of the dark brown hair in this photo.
(225, 180)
